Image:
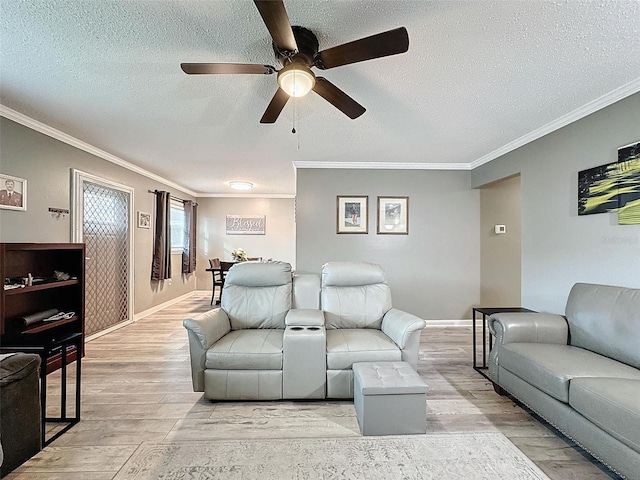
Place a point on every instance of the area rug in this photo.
(411, 457)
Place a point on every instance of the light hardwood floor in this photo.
(136, 387)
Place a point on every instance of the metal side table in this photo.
(488, 311)
(46, 350)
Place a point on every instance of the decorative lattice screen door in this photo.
(103, 220)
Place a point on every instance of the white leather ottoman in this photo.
(390, 398)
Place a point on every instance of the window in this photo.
(177, 226)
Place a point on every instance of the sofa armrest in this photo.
(404, 329)
(304, 317)
(399, 326)
(204, 330)
(209, 327)
(529, 328)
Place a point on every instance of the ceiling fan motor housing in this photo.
(307, 47)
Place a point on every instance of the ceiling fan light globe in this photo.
(296, 80)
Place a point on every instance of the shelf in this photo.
(42, 326)
(42, 261)
(41, 286)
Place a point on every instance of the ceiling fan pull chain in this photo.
(293, 120)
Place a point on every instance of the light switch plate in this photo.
(500, 229)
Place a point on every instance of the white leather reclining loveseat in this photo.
(271, 340)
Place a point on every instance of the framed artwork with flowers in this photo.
(393, 215)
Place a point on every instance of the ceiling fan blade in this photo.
(382, 44)
(276, 19)
(226, 68)
(276, 105)
(338, 98)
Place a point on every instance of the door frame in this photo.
(77, 206)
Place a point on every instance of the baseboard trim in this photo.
(157, 308)
(449, 323)
(108, 330)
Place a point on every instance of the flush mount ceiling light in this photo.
(238, 185)
(296, 79)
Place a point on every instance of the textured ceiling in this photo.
(478, 76)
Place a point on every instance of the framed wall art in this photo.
(246, 224)
(629, 184)
(144, 220)
(598, 189)
(393, 215)
(13, 192)
(613, 187)
(352, 214)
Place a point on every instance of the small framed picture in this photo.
(144, 220)
(13, 192)
(393, 215)
(353, 214)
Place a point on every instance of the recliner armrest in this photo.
(529, 328)
(304, 317)
(399, 325)
(209, 327)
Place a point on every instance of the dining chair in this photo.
(224, 269)
(218, 277)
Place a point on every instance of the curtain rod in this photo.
(155, 192)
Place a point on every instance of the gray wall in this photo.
(46, 163)
(278, 243)
(434, 272)
(500, 253)
(559, 248)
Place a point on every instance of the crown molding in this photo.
(598, 104)
(384, 165)
(33, 124)
(245, 195)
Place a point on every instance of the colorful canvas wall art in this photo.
(598, 189)
(614, 187)
(629, 184)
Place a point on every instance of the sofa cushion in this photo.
(550, 367)
(257, 349)
(354, 295)
(611, 403)
(347, 346)
(605, 320)
(257, 295)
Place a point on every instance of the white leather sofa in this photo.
(278, 335)
(580, 372)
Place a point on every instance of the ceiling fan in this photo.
(297, 50)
